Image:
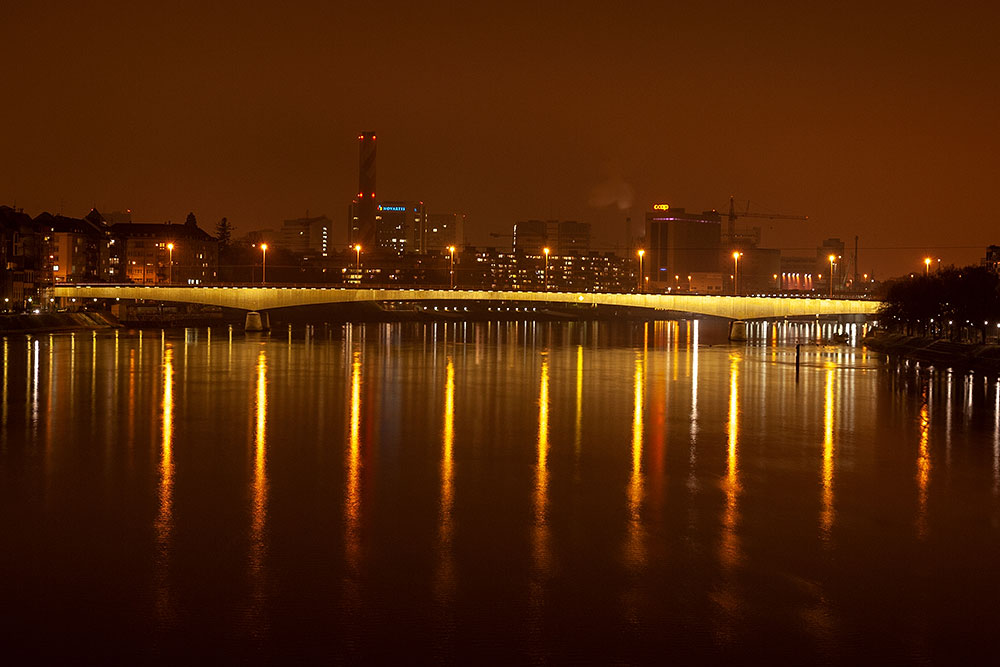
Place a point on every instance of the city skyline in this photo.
(872, 122)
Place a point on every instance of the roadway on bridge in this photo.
(268, 298)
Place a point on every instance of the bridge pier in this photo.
(256, 321)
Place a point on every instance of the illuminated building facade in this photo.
(400, 226)
(143, 252)
(77, 250)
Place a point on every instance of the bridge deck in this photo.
(267, 298)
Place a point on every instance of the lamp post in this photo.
(451, 265)
(927, 266)
(777, 285)
(357, 249)
(832, 258)
(170, 268)
(546, 252)
(263, 263)
(641, 285)
(736, 271)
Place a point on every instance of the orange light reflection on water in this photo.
(923, 464)
(729, 548)
(635, 552)
(164, 518)
(826, 520)
(352, 505)
(446, 574)
(259, 515)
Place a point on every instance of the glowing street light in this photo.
(641, 254)
(927, 266)
(777, 285)
(832, 258)
(451, 266)
(357, 249)
(263, 263)
(170, 274)
(546, 251)
(736, 271)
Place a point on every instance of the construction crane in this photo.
(731, 225)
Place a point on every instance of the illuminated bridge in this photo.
(268, 298)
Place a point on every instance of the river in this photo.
(493, 492)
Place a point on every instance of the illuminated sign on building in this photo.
(392, 208)
(661, 207)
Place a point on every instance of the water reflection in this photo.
(540, 533)
(164, 518)
(827, 514)
(729, 552)
(352, 505)
(923, 462)
(635, 550)
(996, 438)
(6, 398)
(693, 416)
(578, 430)
(446, 574)
(258, 541)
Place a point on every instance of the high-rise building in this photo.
(364, 210)
(561, 237)
(443, 230)
(307, 235)
(679, 244)
(399, 226)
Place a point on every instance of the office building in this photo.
(679, 244)
(307, 236)
(400, 225)
(561, 237)
(443, 230)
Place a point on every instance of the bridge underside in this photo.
(268, 298)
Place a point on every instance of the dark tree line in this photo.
(944, 304)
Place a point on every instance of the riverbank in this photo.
(937, 352)
(52, 322)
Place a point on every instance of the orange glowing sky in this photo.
(877, 119)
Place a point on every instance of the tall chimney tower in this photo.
(366, 191)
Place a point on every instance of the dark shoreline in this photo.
(55, 322)
(983, 358)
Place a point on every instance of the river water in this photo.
(493, 492)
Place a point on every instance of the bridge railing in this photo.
(466, 288)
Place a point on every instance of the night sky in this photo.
(877, 119)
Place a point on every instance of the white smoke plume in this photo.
(612, 191)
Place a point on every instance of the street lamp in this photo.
(263, 263)
(546, 251)
(736, 271)
(832, 258)
(927, 266)
(357, 249)
(777, 286)
(641, 254)
(170, 275)
(451, 265)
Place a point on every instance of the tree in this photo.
(191, 221)
(224, 232)
(947, 302)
